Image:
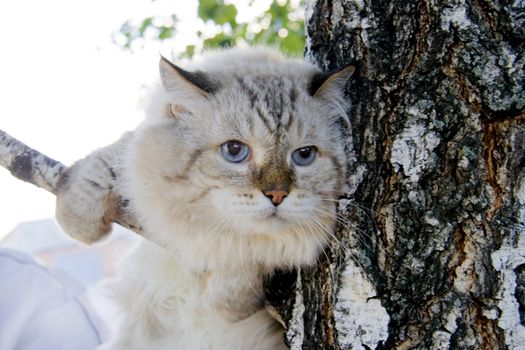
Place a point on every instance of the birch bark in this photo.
(432, 252)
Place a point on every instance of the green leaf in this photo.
(206, 9)
(218, 12)
(147, 22)
(165, 32)
(227, 14)
(189, 52)
(219, 40)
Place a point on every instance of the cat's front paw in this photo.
(87, 197)
(86, 203)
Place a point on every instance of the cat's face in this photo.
(257, 155)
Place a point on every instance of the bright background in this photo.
(67, 89)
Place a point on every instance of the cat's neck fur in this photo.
(234, 292)
(201, 247)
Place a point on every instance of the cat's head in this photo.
(249, 149)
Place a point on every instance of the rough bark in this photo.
(433, 252)
(28, 164)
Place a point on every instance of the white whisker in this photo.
(352, 227)
(339, 244)
(314, 235)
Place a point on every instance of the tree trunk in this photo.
(432, 250)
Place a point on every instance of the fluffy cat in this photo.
(235, 172)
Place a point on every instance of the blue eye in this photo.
(235, 151)
(304, 156)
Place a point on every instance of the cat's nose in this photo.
(276, 196)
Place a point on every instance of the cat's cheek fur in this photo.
(252, 213)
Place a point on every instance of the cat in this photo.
(234, 172)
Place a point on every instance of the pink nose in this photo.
(276, 196)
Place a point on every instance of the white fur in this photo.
(166, 306)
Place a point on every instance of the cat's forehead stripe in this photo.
(264, 118)
(273, 99)
(249, 91)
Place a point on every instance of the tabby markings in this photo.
(273, 99)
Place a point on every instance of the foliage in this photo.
(163, 28)
(281, 24)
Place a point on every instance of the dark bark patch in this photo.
(280, 291)
(520, 291)
(22, 167)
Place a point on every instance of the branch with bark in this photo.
(28, 164)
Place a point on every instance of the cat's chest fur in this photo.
(169, 306)
(231, 292)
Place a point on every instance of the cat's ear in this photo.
(175, 78)
(332, 84)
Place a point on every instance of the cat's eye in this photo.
(235, 151)
(304, 156)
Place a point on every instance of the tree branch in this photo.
(28, 164)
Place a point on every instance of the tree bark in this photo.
(29, 165)
(432, 253)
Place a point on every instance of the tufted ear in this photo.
(175, 78)
(330, 84)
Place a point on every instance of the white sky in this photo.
(66, 89)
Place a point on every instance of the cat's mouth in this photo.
(272, 215)
(270, 220)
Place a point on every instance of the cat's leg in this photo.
(259, 331)
(88, 198)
